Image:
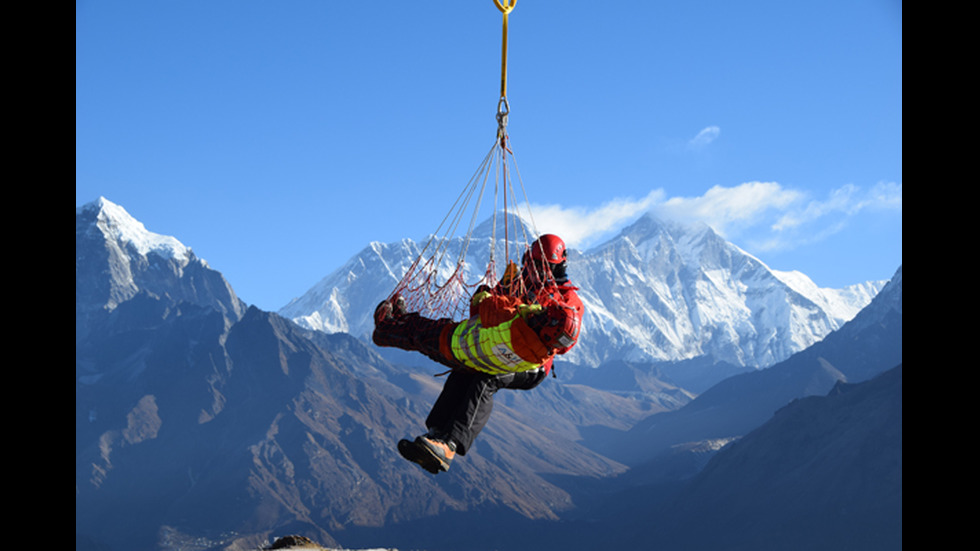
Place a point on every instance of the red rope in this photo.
(435, 296)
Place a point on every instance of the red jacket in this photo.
(564, 293)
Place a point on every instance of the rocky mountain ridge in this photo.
(116, 258)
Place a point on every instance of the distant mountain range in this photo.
(823, 473)
(202, 423)
(658, 292)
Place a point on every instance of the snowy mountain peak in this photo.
(501, 223)
(118, 225)
(659, 291)
(117, 258)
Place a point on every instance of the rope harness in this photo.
(438, 284)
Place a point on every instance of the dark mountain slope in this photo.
(824, 473)
(864, 347)
(185, 426)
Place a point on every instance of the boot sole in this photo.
(420, 455)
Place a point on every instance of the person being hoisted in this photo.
(510, 340)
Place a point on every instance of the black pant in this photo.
(414, 333)
(463, 408)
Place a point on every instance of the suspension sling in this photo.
(440, 281)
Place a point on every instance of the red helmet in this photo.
(561, 328)
(549, 247)
(545, 259)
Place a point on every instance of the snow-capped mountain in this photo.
(657, 292)
(344, 301)
(110, 242)
(668, 292)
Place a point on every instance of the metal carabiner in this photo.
(503, 109)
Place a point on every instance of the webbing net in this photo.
(455, 261)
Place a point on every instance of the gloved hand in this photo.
(479, 296)
(527, 310)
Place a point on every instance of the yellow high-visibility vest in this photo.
(488, 349)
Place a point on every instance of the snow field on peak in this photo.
(120, 225)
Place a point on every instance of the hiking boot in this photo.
(418, 454)
(398, 307)
(382, 312)
(391, 308)
(443, 451)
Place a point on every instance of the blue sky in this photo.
(277, 139)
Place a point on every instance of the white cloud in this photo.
(582, 226)
(815, 219)
(764, 216)
(729, 209)
(705, 137)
